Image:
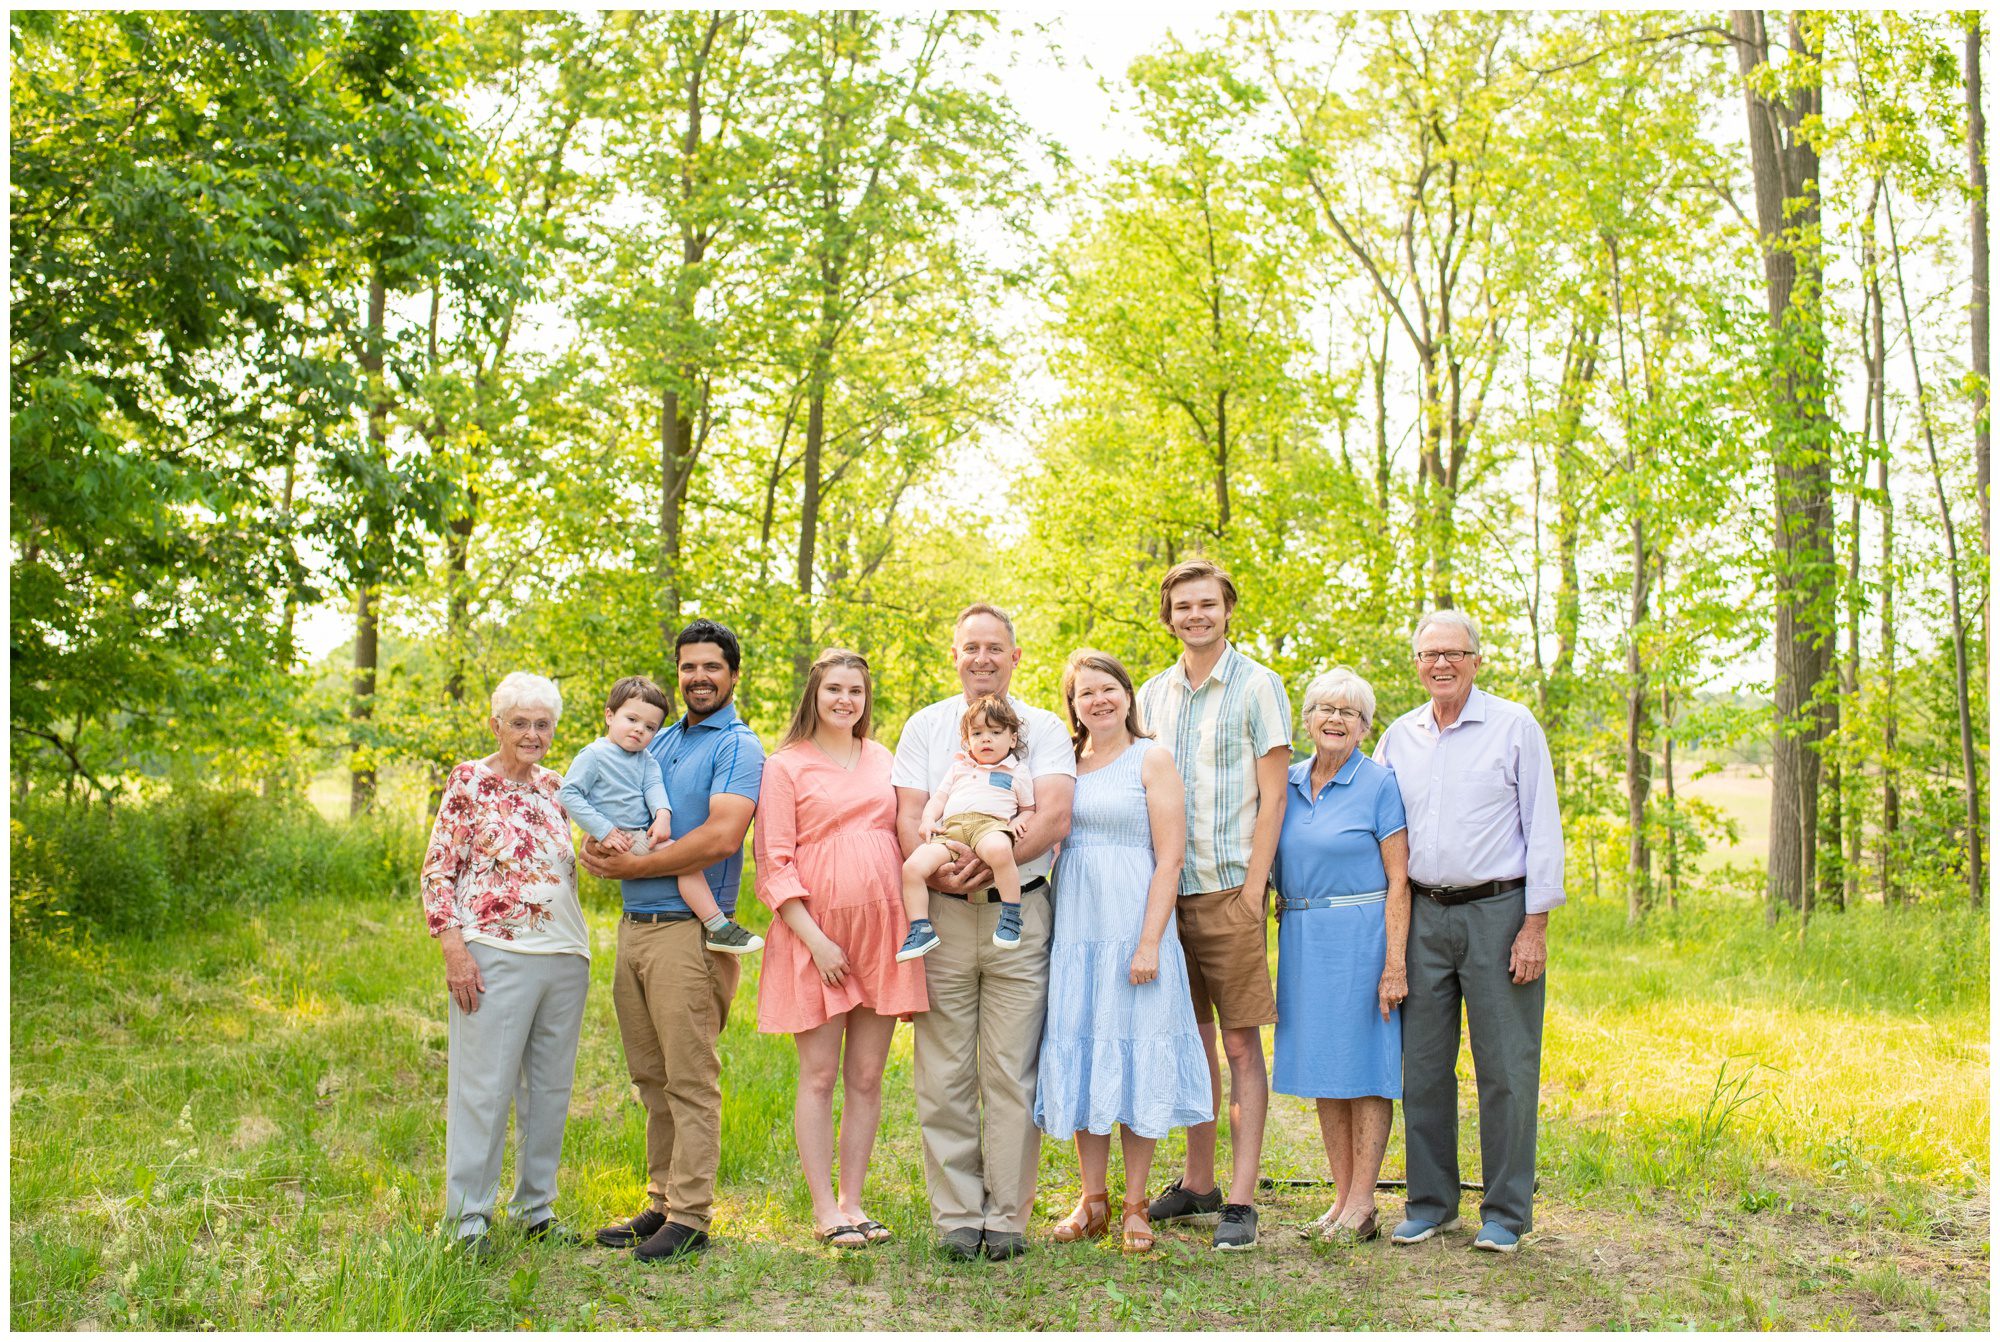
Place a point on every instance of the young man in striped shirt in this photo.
(1229, 725)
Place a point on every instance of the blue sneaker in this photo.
(923, 939)
(1008, 935)
(1496, 1238)
(1415, 1231)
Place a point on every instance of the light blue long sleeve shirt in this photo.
(608, 787)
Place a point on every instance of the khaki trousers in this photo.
(978, 1055)
(672, 997)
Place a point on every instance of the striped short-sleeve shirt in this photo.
(1217, 731)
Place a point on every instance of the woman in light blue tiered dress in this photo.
(1120, 1044)
(1343, 925)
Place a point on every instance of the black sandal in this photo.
(869, 1228)
(842, 1237)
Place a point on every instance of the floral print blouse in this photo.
(500, 867)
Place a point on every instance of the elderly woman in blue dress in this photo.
(1344, 922)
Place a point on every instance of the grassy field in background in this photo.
(243, 1127)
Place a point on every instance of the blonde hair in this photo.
(1090, 659)
(805, 717)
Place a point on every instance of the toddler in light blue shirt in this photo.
(613, 790)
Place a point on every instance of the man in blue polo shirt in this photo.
(671, 993)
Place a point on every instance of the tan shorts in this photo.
(969, 827)
(1228, 962)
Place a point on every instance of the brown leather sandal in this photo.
(1091, 1219)
(1140, 1240)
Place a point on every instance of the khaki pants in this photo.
(978, 1055)
(672, 996)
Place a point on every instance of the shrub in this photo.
(172, 860)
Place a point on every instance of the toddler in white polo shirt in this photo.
(984, 803)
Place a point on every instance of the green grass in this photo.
(240, 1124)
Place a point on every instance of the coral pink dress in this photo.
(827, 835)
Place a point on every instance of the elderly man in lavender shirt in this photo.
(1486, 866)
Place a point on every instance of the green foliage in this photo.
(184, 858)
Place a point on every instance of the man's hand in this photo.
(964, 873)
(1530, 955)
(603, 863)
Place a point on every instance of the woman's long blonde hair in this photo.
(805, 717)
(1090, 659)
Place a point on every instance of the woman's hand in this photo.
(1393, 990)
(1145, 963)
(461, 972)
(830, 960)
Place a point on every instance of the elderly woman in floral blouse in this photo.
(499, 887)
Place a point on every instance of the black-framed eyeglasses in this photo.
(1339, 711)
(1450, 657)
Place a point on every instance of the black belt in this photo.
(1465, 894)
(990, 895)
(658, 917)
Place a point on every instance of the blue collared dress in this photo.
(1332, 1042)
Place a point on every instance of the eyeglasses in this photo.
(1351, 714)
(1452, 657)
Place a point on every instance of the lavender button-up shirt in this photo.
(1480, 796)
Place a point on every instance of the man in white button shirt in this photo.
(979, 1046)
(1486, 866)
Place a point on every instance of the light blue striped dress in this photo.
(1111, 1052)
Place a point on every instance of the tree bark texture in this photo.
(1785, 172)
(361, 708)
(1982, 353)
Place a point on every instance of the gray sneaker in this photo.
(1178, 1206)
(732, 938)
(1237, 1228)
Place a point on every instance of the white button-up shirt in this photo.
(931, 741)
(1480, 796)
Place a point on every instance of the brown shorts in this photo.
(1228, 963)
(969, 827)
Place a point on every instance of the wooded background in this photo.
(1656, 340)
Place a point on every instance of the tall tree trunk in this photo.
(1968, 747)
(1638, 697)
(1673, 802)
(809, 497)
(361, 708)
(1578, 375)
(1982, 354)
(1785, 172)
(1848, 825)
(1383, 553)
(676, 467)
(1222, 462)
(1878, 356)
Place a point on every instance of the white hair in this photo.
(1448, 616)
(1340, 687)
(523, 690)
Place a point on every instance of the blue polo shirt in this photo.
(1332, 844)
(718, 755)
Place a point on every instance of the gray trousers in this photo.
(1459, 955)
(520, 1046)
